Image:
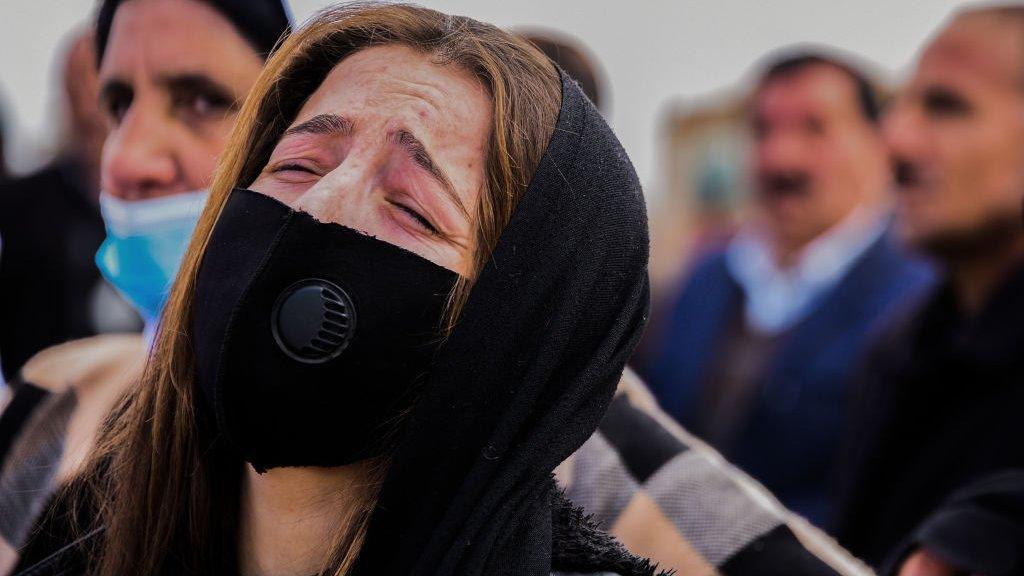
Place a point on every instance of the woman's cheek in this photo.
(199, 166)
(287, 193)
(215, 130)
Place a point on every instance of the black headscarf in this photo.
(261, 22)
(527, 374)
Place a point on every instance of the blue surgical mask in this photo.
(146, 240)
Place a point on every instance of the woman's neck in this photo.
(290, 518)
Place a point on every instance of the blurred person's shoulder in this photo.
(892, 336)
(93, 373)
(76, 384)
(707, 273)
(56, 190)
(87, 363)
(709, 262)
(647, 480)
(24, 191)
(908, 276)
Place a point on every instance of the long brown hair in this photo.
(159, 475)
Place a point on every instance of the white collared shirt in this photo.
(775, 298)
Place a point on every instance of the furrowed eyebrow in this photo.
(418, 152)
(197, 82)
(323, 124)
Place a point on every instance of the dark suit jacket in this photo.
(790, 436)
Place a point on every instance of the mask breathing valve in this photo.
(313, 321)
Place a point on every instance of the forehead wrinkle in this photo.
(423, 91)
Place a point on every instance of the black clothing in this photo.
(261, 22)
(50, 229)
(520, 383)
(29, 476)
(939, 409)
(27, 398)
(61, 542)
(527, 373)
(980, 529)
(577, 545)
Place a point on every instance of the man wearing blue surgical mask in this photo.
(169, 107)
(170, 110)
(145, 242)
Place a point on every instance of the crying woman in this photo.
(420, 273)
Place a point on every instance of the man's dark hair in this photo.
(572, 58)
(791, 63)
(262, 22)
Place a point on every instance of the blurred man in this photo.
(647, 481)
(763, 340)
(51, 227)
(942, 411)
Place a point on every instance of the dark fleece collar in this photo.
(579, 545)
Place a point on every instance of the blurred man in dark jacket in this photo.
(941, 411)
(764, 339)
(50, 288)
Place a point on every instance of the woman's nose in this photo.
(346, 194)
(138, 159)
(782, 152)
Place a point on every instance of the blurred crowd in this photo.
(838, 298)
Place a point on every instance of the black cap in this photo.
(261, 22)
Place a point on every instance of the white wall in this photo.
(654, 52)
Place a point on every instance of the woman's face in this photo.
(170, 80)
(392, 145)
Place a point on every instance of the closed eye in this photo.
(423, 222)
(292, 167)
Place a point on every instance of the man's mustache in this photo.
(790, 183)
(906, 173)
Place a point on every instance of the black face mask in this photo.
(310, 337)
